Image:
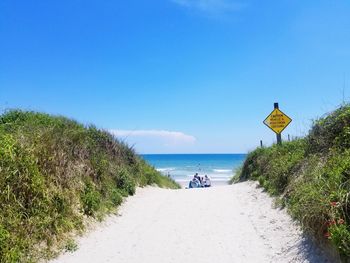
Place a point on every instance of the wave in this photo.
(222, 170)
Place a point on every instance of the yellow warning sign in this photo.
(277, 121)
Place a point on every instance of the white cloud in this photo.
(166, 137)
(211, 6)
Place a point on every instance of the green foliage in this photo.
(330, 132)
(71, 246)
(53, 173)
(312, 176)
(116, 197)
(124, 181)
(340, 236)
(236, 175)
(90, 199)
(274, 175)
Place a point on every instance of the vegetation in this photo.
(312, 177)
(54, 174)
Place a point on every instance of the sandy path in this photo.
(217, 225)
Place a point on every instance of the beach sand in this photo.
(214, 183)
(216, 225)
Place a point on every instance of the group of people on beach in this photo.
(200, 181)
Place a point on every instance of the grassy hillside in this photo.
(312, 177)
(54, 174)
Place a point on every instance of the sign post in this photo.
(277, 121)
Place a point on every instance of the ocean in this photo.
(182, 167)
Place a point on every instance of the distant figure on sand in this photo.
(195, 182)
(206, 181)
(196, 176)
(198, 181)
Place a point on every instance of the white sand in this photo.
(220, 224)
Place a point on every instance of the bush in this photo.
(90, 199)
(116, 197)
(125, 183)
(71, 246)
(313, 177)
(53, 173)
(273, 166)
(330, 132)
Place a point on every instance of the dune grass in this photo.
(312, 177)
(54, 174)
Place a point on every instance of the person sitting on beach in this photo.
(196, 176)
(207, 182)
(200, 179)
(195, 182)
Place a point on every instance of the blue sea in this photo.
(182, 167)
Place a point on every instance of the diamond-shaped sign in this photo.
(277, 121)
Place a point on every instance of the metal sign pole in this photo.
(278, 135)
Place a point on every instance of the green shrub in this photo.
(312, 175)
(124, 182)
(116, 197)
(90, 199)
(53, 173)
(273, 166)
(340, 236)
(331, 131)
(71, 246)
(4, 239)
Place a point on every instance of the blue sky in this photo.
(177, 76)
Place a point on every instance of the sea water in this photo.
(182, 167)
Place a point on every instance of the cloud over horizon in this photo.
(211, 6)
(155, 140)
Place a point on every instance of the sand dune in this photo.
(221, 224)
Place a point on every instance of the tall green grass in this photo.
(55, 173)
(312, 177)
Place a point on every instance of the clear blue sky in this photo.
(175, 76)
